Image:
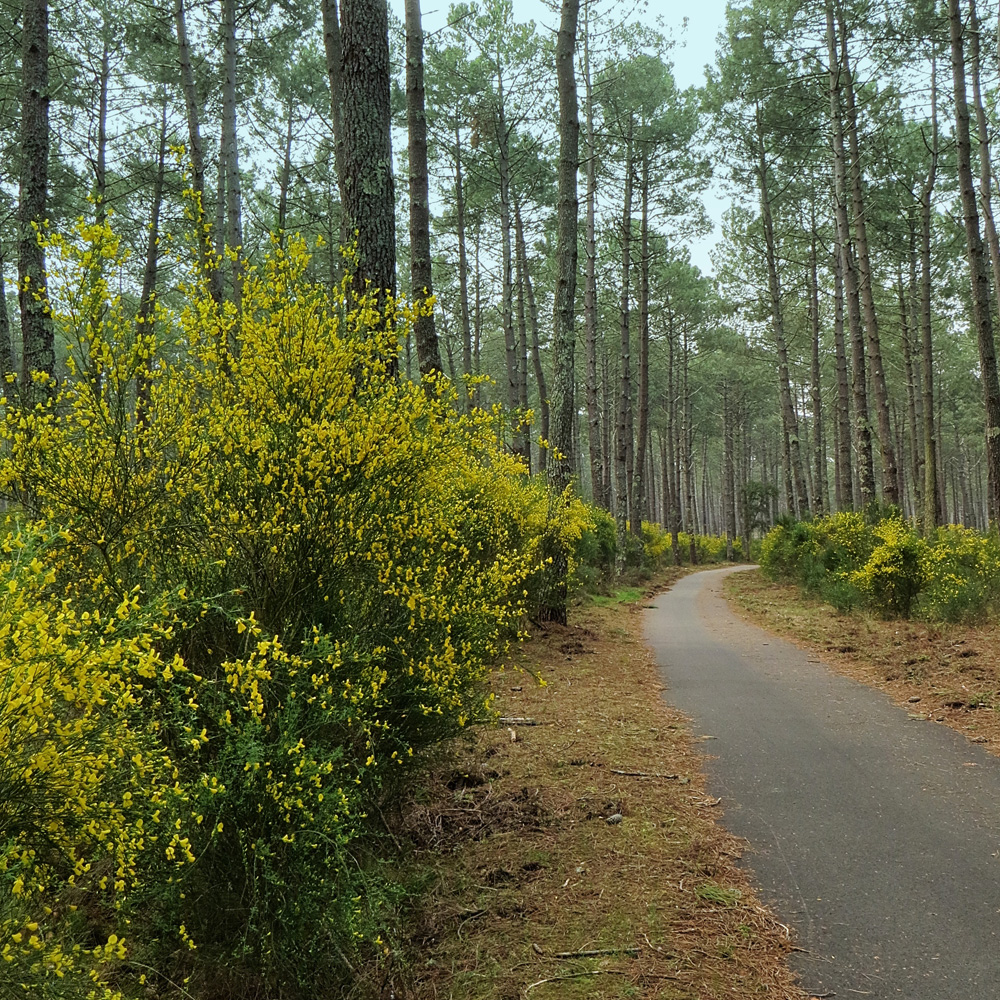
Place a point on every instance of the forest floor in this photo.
(948, 674)
(573, 851)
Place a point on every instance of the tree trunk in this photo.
(285, 179)
(821, 491)
(624, 431)
(8, 363)
(147, 300)
(981, 312)
(912, 391)
(564, 307)
(932, 513)
(206, 255)
(728, 477)
(638, 492)
(536, 350)
(862, 426)
(985, 171)
(333, 48)
(691, 513)
(598, 455)
(522, 325)
(421, 286)
(800, 501)
(463, 260)
(866, 290)
(507, 283)
(36, 325)
(844, 488)
(230, 152)
(368, 190)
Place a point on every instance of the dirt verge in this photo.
(573, 850)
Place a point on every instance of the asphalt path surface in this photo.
(874, 836)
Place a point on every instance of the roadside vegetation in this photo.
(914, 616)
(881, 564)
(251, 596)
(573, 850)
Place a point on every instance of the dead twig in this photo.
(574, 975)
(642, 774)
(466, 919)
(596, 953)
(514, 720)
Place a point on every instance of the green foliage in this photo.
(884, 566)
(271, 579)
(962, 570)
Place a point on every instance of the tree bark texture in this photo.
(982, 318)
(230, 153)
(642, 402)
(862, 425)
(800, 501)
(598, 456)
(624, 421)
(876, 369)
(36, 324)
(368, 192)
(196, 153)
(564, 307)
(421, 286)
(932, 512)
(334, 51)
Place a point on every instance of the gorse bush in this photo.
(279, 574)
(885, 566)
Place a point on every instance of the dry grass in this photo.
(946, 673)
(523, 871)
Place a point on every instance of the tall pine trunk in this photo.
(230, 152)
(798, 497)
(598, 455)
(333, 49)
(638, 493)
(421, 286)
(862, 426)
(624, 417)
(368, 190)
(880, 392)
(564, 306)
(982, 317)
(36, 325)
(821, 491)
(196, 153)
(932, 514)
(844, 491)
(147, 299)
(463, 258)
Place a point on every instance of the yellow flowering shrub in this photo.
(894, 572)
(885, 566)
(328, 560)
(85, 787)
(962, 571)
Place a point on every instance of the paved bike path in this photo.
(876, 837)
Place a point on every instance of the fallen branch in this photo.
(596, 953)
(642, 774)
(574, 975)
(514, 720)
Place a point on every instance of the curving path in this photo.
(876, 837)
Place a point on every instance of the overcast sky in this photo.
(695, 47)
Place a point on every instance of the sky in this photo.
(693, 26)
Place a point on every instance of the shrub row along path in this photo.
(875, 837)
